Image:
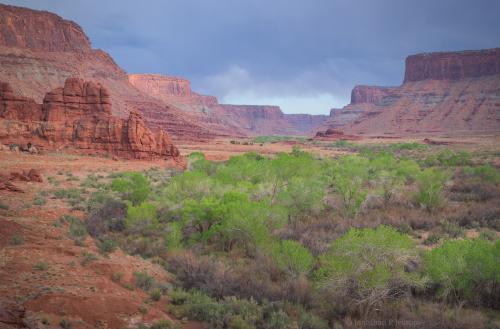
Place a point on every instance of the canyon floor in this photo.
(46, 278)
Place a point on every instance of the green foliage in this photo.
(293, 257)
(466, 269)
(3, 206)
(368, 265)
(16, 240)
(348, 177)
(390, 173)
(71, 193)
(484, 173)
(41, 266)
(88, 258)
(107, 245)
(198, 162)
(448, 158)
(162, 324)
(142, 216)
(274, 139)
(133, 187)
(303, 197)
(143, 281)
(77, 229)
(430, 184)
(155, 294)
(39, 201)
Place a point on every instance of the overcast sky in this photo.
(304, 55)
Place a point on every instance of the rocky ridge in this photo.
(452, 93)
(40, 50)
(227, 119)
(79, 115)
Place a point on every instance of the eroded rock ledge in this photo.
(79, 115)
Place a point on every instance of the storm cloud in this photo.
(304, 55)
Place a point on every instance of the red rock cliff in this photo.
(40, 30)
(444, 93)
(78, 115)
(452, 65)
(368, 94)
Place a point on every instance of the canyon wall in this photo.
(79, 116)
(452, 65)
(452, 93)
(40, 50)
(226, 119)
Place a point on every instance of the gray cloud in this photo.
(282, 49)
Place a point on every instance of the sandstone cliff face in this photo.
(225, 119)
(171, 90)
(40, 50)
(40, 30)
(369, 94)
(452, 65)
(79, 115)
(443, 93)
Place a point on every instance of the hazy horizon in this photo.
(302, 56)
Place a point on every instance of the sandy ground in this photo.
(84, 295)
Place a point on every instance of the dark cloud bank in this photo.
(304, 55)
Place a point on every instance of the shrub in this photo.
(71, 193)
(155, 295)
(77, 229)
(133, 187)
(3, 206)
(106, 216)
(466, 269)
(107, 245)
(41, 266)
(39, 201)
(162, 324)
(367, 266)
(143, 280)
(311, 321)
(88, 257)
(303, 197)
(16, 240)
(293, 257)
(141, 216)
(348, 177)
(430, 184)
(391, 174)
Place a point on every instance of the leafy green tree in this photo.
(466, 269)
(189, 186)
(303, 197)
(430, 184)
(367, 266)
(198, 162)
(141, 216)
(390, 173)
(348, 177)
(133, 186)
(293, 257)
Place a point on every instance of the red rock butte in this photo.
(454, 93)
(79, 116)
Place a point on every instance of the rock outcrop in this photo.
(225, 119)
(79, 115)
(452, 65)
(40, 50)
(443, 93)
(40, 30)
(369, 94)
